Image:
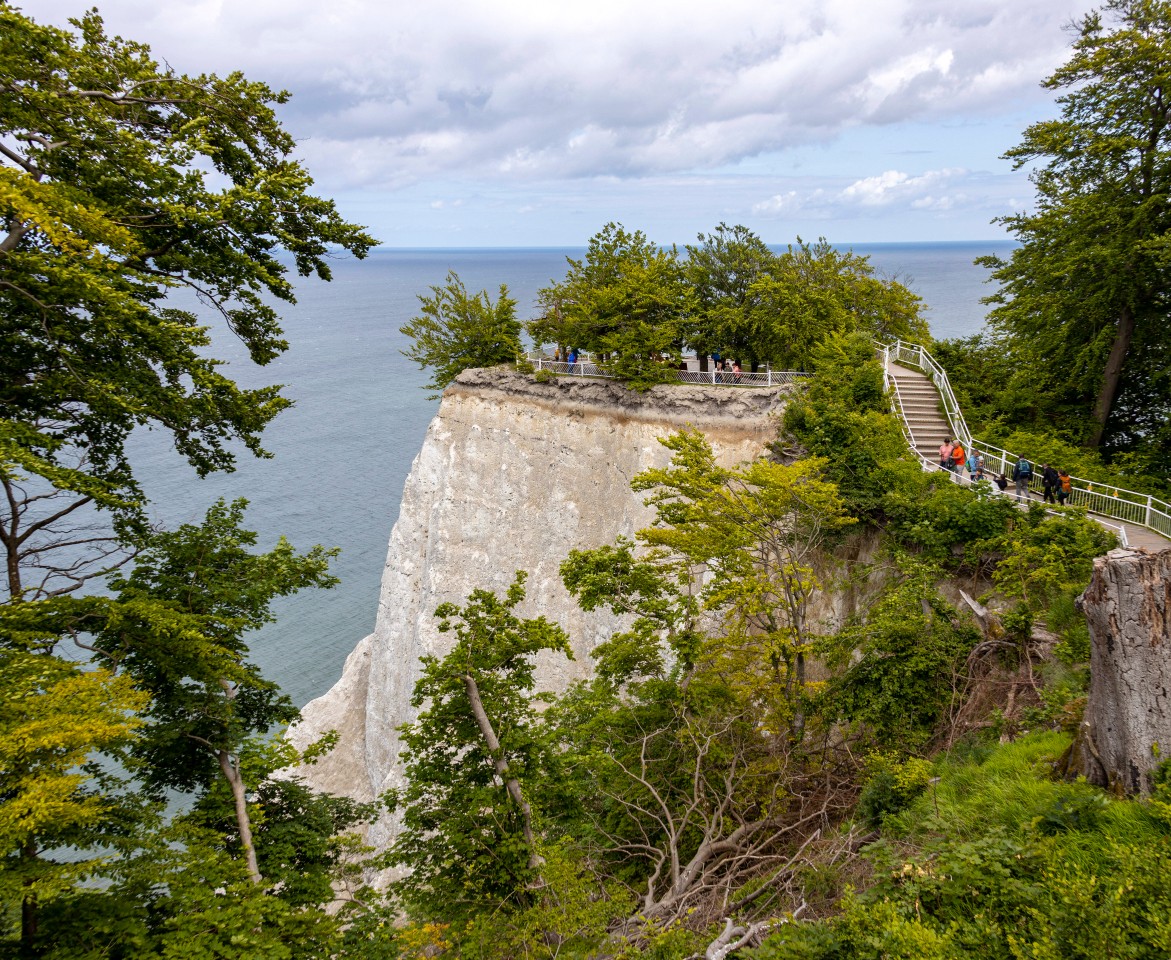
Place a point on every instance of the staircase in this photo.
(919, 406)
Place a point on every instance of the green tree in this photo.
(58, 807)
(758, 532)
(469, 834)
(120, 181)
(455, 331)
(725, 270)
(895, 667)
(178, 629)
(816, 291)
(626, 301)
(1083, 298)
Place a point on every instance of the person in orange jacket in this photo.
(958, 457)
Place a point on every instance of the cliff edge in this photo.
(513, 474)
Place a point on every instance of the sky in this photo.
(463, 123)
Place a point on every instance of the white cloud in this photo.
(387, 94)
(937, 190)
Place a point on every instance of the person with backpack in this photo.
(1049, 483)
(975, 466)
(1065, 486)
(1022, 473)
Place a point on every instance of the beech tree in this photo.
(455, 331)
(725, 269)
(122, 180)
(57, 804)
(627, 300)
(1084, 298)
(468, 832)
(179, 631)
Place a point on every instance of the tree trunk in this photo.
(1126, 732)
(28, 908)
(243, 823)
(1112, 375)
(511, 784)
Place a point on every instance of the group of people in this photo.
(953, 457)
(1056, 485)
(726, 366)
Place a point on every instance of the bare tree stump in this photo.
(1127, 728)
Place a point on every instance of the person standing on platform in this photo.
(945, 449)
(1022, 473)
(958, 457)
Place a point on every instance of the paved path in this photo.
(922, 412)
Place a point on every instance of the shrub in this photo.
(892, 786)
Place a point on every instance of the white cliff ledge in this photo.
(513, 474)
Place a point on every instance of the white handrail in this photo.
(1099, 498)
(723, 378)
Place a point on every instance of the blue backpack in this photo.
(1024, 467)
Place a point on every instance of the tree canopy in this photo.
(638, 306)
(122, 180)
(455, 331)
(1083, 300)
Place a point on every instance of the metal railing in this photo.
(726, 378)
(915, 355)
(1102, 499)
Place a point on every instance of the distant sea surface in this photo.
(342, 453)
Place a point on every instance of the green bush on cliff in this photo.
(457, 331)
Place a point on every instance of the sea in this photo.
(341, 454)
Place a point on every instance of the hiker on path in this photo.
(1050, 482)
(1065, 487)
(945, 449)
(975, 466)
(957, 458)
(1001, 482)
(1022, 473)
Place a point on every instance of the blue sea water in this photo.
(342, 453)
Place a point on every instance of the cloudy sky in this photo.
(533, 122)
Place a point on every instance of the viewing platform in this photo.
(687, 372)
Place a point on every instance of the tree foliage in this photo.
(626, 301)
(1083, 297)
(455, 331)
(475, 749)
(122, 180)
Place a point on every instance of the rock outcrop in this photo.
(1127, 727)
(512, 475)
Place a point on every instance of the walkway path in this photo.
(921, 410)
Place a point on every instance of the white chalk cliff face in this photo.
(513, 474)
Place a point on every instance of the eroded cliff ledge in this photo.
(512, 475)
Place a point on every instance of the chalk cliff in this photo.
(512, 475)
